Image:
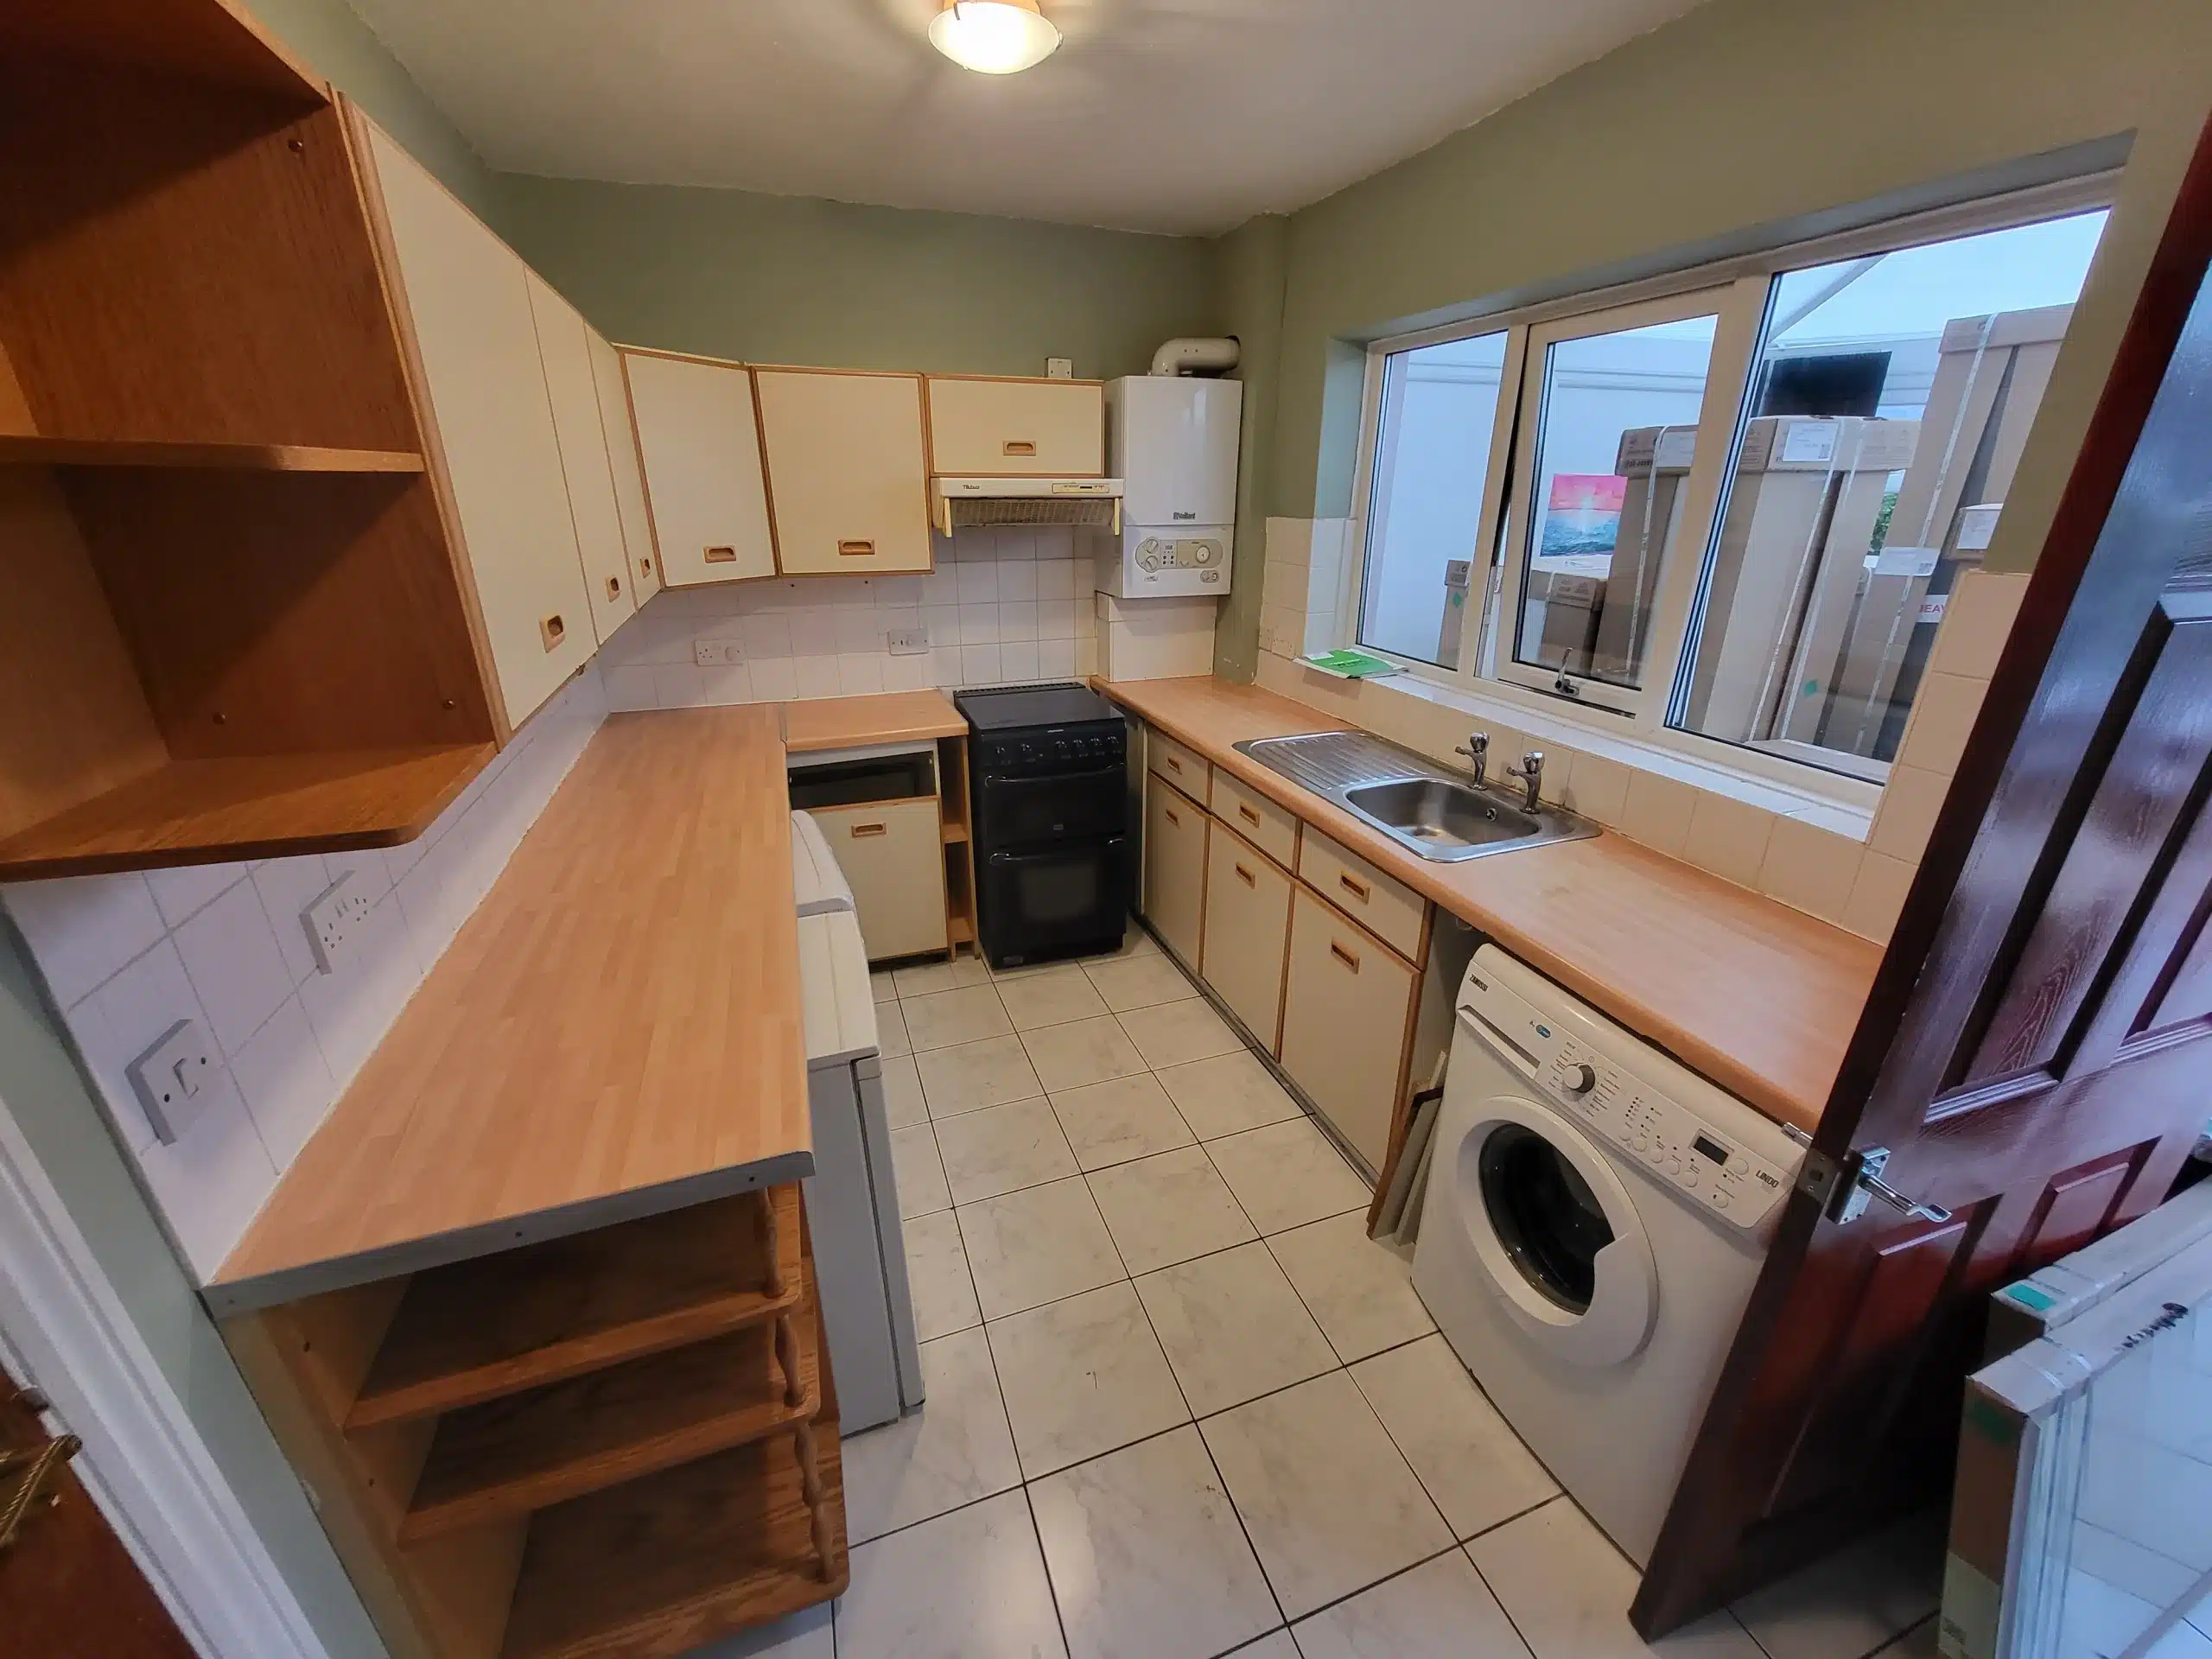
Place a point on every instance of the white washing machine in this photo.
(1595, 1218)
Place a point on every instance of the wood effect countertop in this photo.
(858, 722)
(1758, 997)
(616, 1030)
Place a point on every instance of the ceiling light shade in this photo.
(994, 37)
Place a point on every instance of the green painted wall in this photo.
(1747, 122)
(49, 1099)
(788, 279)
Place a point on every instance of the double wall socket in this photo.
(175, 1079)
(907, 642)
(331, 919)
(717, 653)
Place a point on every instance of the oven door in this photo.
(1053, 901)
(1025, 812)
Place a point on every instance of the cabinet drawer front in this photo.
(1257, 818)
(1248, 929)
(1346, 1007)
(1385, 905)
(1044, 429)
(702, 455)
(1185, 768)
(1174, 868)
(848, 483)
(891, 853)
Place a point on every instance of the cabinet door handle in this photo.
(614, 587)
(1358, 889)
(1247, 813)
(1020, 446)
(1174, 764)
(1344, 955)
(553, 631)
(1245, 876)
(860, 829)
(855, 549)
(645, 567)
(721, 555)
(1168, 812)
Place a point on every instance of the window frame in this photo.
(1746, 284)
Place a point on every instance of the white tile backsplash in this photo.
(125, 957)
(1006, 603)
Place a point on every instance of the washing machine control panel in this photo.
(1722, 1158)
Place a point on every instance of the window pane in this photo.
(1884, 418)
(1432, 460)
(1619, 429)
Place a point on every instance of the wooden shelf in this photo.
(510, 1457)
(22, 451)
(960, 930)
(677, 1560)
(258, 806)
(502, 1323)
(955, 833)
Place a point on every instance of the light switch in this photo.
(175, 1079)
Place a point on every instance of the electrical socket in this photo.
(331, 919)
(907, 642)
(717, 653)
(173, 1079)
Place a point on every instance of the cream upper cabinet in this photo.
(564, 345)
(846, 471)
(981, 425)
(623, 466)
(1247, 931)
(701, 449)
(1347, 1012)
(466, 296)
(1174, 868)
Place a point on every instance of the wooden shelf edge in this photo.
(20, 450)
(599, 1350)
(955, 833)
(258, 806)
(960, 930)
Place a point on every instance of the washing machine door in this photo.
(1556, 1232)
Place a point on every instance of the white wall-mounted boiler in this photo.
(1171, 440)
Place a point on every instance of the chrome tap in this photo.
(1476, 749)
(1532, 772)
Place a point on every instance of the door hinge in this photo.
(1845, 1189)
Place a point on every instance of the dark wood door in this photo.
(2037, 1051)
(66, 1584)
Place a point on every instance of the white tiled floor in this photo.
(1179, 1406)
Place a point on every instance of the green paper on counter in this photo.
(1350, 664)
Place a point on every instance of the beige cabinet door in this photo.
(564, 346)
(848, 482)
(467, 299)
(1174, 868)
(700, 450)
(893, 855)
(1247, 931)
(984, 426)
(1345, 1012)
(629, 474)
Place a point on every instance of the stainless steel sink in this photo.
(1418, 804)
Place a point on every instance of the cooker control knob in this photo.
(1580, 1079)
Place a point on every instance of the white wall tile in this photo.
(629, 687)
(1018, 659)
(911, 673)
(1658, 812)
(979, 584)
(817, 676)
(1910, 801)
(860, 631)
(1943, 713)
(81, 929)
(1810, 869)
(182, 891)
(211, 1182)
(285, 1081)
(230, 956)
(125, 1017)
(1597, 789)
(980, 624)
(1056, 579)
(978, 665)
(1878, 896)
(726, 683)
(287, 887)
(860, 673)
(1017, 581)
(1017, 621)
(1728, 837)
(767, 634)
(774, 679)
(1980, 620)
(814, 633)
(1055, 659)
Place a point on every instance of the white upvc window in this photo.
(1718, 515)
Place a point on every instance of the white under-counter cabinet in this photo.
(848, 471)
(699, 445)
(1174, 868)
(1246, 932)
(564, 342)
(1347, 1014)
(466, 310)
(986, 425)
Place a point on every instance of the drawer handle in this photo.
(1168, 812)
(860, 829)
(1245, 876)
(1358, 889)
(721, 555)
(645, 567)
(1020, 446)
(614, 587)
(1247, 813)
(855, 549)
(1174, 764)
(553, 631)
(1344, 955)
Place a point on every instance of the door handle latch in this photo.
(1845, 1189)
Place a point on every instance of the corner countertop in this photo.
(857, 722)
(616, 1030)
(1759, 998)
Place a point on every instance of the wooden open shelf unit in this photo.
(235, 625)
(953, 797)
(619, 1442)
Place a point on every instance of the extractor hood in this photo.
(955, 501)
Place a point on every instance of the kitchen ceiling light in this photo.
(994, 37)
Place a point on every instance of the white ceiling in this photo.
(1157, 115)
